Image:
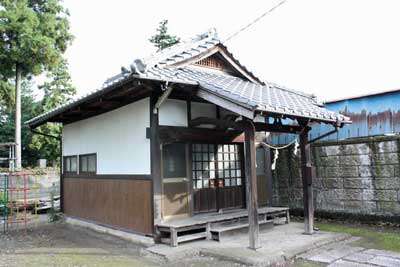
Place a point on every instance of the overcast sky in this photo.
(332, 48)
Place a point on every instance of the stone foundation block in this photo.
(335, 183)
(383, 171)
(386, 158)
(387, 195)
(358, 183)
(389, 207)
(329, 150)
(387, 183)
(369, 195)
(355, 149)
(388, 146)
(365, 171)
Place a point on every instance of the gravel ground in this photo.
(62, 245)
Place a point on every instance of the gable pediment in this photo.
(216, 62)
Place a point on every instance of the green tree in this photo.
(57, 91)
(162, 39)
(30, 108)
(33, 36)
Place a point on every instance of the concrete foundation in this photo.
(278, 245)
(131, 237)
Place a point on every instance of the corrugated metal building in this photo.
(372, 114)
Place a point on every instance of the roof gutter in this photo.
(46, 135)
(323, 136)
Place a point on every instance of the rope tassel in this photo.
(296, 147)
(276, 155)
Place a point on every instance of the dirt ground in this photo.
(62, 245)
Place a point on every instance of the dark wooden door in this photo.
(175, 181)
(218, 178)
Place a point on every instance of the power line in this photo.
(254, 21)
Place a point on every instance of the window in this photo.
(174, 160)
(229, 164)
(203, 166)
(260, 160)
(216, 164)
(87, 163)
(70, 164)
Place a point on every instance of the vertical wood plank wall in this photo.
(121, 203)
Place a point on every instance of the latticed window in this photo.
(229, 165)
(216, 165)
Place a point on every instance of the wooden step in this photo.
(185, 238)
(221, 232)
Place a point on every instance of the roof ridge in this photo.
(180, 47)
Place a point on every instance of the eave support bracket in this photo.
(162, 98)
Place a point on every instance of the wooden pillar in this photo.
(155, 161)
(61, 176)
(306, 173)
(251, 184)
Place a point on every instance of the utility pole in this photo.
(18, 164)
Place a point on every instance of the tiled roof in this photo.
(270, 98)
(266, 97)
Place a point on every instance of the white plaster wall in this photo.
(173, 113)
(118, 137)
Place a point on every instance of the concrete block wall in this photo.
(353, 176)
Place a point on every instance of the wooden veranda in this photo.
(215, 225)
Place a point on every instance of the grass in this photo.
(370, 237)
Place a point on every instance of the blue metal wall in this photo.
(371, 115)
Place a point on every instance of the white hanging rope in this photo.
(276, 155)
(277, 148)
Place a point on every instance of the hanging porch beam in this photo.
(277, 128)
(307, 178)
(184, 134)
(259, 126)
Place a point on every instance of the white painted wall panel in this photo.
(173, 113)
(259, 118)
(118, 137)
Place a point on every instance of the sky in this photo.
(331, 48)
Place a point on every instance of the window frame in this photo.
(81, 156)
(166, 176)
(65, 158)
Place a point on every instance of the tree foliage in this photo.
(162, 39)
(30, 107)
(33, 36)
(57, 91)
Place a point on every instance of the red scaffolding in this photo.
(18, 186)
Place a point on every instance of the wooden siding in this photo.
(121, 203)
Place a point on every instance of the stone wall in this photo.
(354, 176)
